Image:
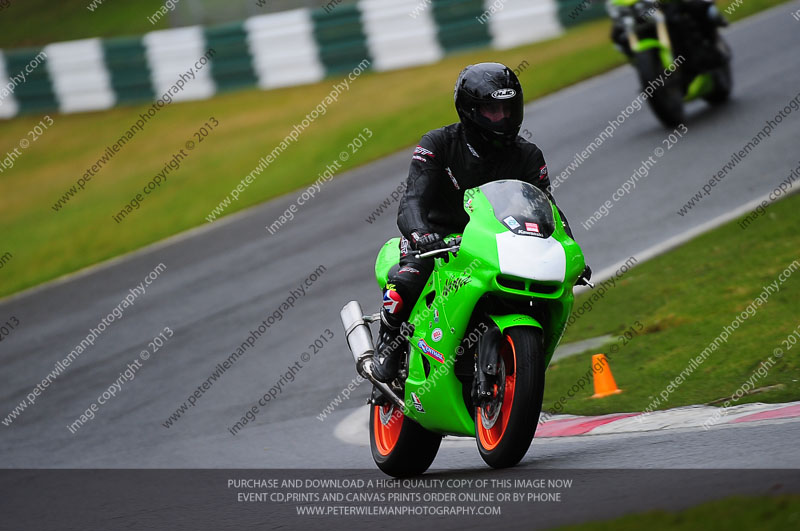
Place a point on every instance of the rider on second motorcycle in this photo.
(483, 146)
(688, 21)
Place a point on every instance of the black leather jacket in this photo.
(444, 164)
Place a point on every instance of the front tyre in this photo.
(505, 426)
(722, 76)
(667, 99)
(400, 447)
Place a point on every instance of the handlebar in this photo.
(452, 249)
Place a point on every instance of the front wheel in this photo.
(667, 99)
(400, 446)
(505, 426)
(721, 76)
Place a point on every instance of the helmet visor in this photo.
(494, 111)
(499, 116)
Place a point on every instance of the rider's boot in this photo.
(388, 351)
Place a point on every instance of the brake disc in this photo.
(491, 411)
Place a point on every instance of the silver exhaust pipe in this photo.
(359, 341)
(357, 333)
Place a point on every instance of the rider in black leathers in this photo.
(484, 146)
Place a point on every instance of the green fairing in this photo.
(477, 267)
(647, 44)
(514, 319)
(388, 256)
(664, 52)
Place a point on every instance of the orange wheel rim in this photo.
(387, 423)
(491, 436)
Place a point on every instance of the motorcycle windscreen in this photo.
(521, 207)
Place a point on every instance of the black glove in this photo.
(585, 276)
(429, 241)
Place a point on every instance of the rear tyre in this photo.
(400, 447)
(505, 427)
(667, 100)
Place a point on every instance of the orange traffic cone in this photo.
(604, 384)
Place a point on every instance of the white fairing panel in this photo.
(530, 257)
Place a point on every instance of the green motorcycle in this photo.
(678, 53)
(480, 336)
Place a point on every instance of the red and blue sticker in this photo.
(392, 302)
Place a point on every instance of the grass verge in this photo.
(40, 22)
(683, 300)
(397, 106)
(738, 512)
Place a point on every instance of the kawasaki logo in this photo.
(504, 94)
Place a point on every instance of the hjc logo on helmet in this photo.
(504, 94)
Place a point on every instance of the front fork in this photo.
(488, 353)
(486, 365)
(663, 42)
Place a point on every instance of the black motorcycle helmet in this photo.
(489, 103)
